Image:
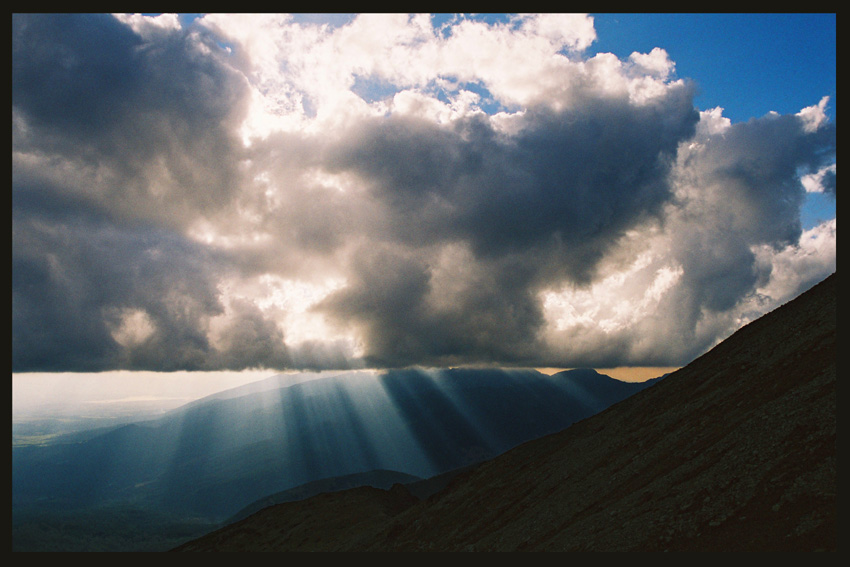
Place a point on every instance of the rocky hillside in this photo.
(735, 452)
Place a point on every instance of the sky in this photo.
(271, 192)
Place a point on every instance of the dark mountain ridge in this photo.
(735, 452)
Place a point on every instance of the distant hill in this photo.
(213, 457)
(735, 452)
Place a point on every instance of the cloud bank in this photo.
(388, 190)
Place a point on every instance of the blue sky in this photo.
(748, 64)
(393, 190)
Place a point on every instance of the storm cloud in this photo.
(254, 191)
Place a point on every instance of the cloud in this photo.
(270, 191)
(821, 181)
(141, 128)
(721, 257)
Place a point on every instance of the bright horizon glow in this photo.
(624, 374)
(34, 390)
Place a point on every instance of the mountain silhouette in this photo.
(734, 452)
(215, 456)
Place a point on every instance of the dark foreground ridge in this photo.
(735, 452)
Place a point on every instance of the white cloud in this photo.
(798, 265)
(817, 182)
(563, 31)
(814, 116)
(656, 63)
(133, 327)
(151, 27)
(614, 303)
(712, 121)
(302, 76)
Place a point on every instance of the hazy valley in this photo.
(207, 460)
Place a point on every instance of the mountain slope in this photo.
(374, 479)
(736, 451)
